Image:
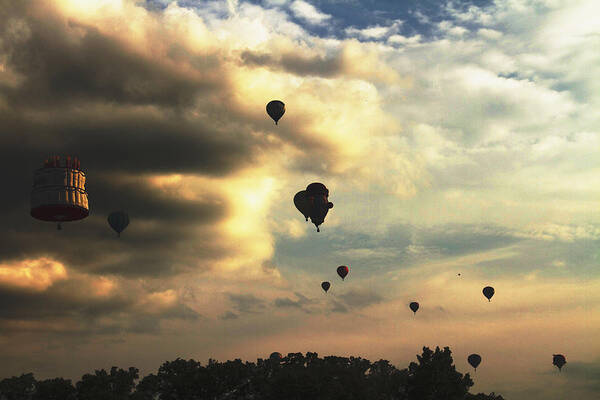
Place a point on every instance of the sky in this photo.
(454, 137)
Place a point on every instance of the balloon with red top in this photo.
(342, 271)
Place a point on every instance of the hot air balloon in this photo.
(276, 109)
(558, 360)
(488, 292)
(342, 271)
(314, 203)
(58, 192)
(118, 220)
(474, 360)
(414, 306)
(325, 286)
(301, 203)
(275, 356)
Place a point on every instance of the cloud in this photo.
(229, 315)
(567, 233)
(403, 40)
(375, 32)
(247, 303)
(308, 13)
(302, 303)
(360, 298)
(36, 274)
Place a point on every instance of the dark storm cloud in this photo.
(247, 303)
(166, 234)
(69, 303)
(61, 300)
(296, 64)
(65, 62)
(81, 92)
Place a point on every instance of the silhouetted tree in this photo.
(181, 379)
(387, 382)
(435, 378)
(147, 388)
(117, 385)
(18, 387)
(482, 396)
(294, 377)
(55, 389)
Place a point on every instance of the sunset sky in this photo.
(454, 137)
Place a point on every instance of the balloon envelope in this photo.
(318, 203)
(342, 271)
(301, 203)
(488, 292)
(474, 360)
(325, 286)
(275, 356)
(118, 220)
(558, 360)
(276, 109)
(414, 306)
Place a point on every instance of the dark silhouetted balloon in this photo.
(118, 220)
(342, 271)
(558, 360)
(317, 197)
(414, 306)
(275, 356)
(459, 274)
(325, 286)
(301, 203)
(474, 360)
(488, 292)
(276, 109)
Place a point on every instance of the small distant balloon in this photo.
(414, 306)
(325, 286)
(342, 271)
(118, 220)
(488, 292)
(558, 360)
(276, 109)
(275, 356)
(474, 360)
(459, 274)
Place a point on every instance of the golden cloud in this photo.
(37, 274)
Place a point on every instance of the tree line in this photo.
(292, 377)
